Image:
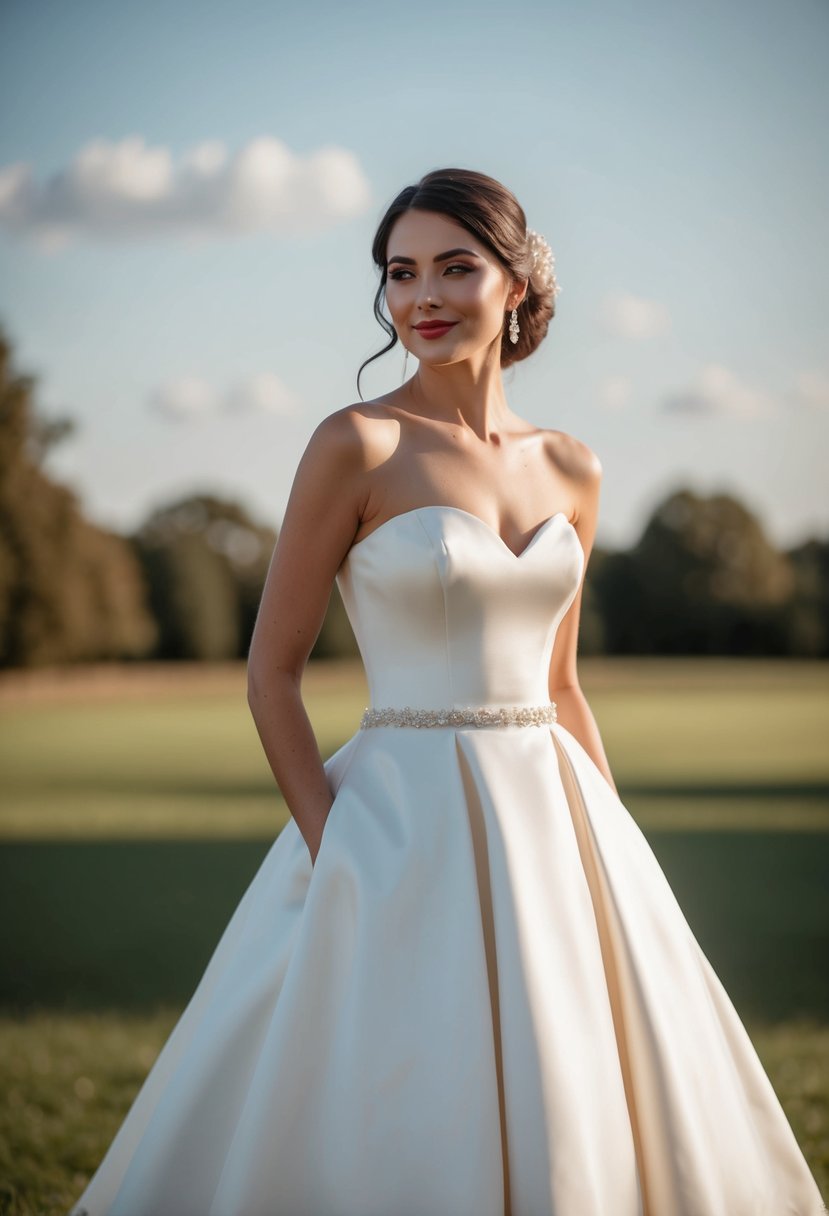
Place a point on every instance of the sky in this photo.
(189, 192)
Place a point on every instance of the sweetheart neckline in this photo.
(440, 506)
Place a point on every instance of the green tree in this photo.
(205, 562)
(807, 618)
(69, 591)
(702, 579)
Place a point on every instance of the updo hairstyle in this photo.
(494, 216)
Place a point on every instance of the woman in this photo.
(459, 984)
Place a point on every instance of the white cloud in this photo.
(190, 398)
(812, 390)
(629, 316)
(127, 190)
(718, 392)
(615, 392)
(185, 398)
(263, 393)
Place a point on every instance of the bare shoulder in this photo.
(339, 439)
(333, 479)
(572, 457)
(580, 468)
(359, 435)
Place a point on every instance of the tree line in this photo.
(702, 578)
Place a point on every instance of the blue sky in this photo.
(188, 194)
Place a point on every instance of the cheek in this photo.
(484, 295)
(494, 295)
(393, 301)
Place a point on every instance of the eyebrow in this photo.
(439, 257)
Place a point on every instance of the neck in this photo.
(466, 394)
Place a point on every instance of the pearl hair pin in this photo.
(543, 263)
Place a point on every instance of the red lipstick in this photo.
(434, 329)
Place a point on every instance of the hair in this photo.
(491, 213)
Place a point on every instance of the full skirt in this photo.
(483, 999)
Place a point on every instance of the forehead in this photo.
(422, 233)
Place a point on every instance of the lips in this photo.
(430, 331)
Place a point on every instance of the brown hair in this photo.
(491, 213)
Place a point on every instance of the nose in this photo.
(425, 299)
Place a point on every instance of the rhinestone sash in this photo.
(505, 715)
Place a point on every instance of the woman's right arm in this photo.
(323, 513)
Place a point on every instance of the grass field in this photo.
(137, 805)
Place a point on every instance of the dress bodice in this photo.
(446, 615)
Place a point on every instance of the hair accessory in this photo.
(542, 270)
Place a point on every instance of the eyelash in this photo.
(394, 274)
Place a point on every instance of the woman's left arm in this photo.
(572, 709)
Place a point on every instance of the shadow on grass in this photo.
(130, 925)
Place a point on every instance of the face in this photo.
(469, 289)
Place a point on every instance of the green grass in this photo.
(134, 812)
(177, 763)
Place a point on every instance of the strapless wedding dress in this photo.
(483, 999)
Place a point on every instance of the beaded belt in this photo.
(506, 715)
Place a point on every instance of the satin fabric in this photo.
(483, 999)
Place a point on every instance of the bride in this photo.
(459, 983)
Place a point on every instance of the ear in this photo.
(518, 293)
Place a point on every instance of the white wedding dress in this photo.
(483, 999)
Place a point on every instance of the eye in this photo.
(395, 274)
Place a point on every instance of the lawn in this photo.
(137, 805)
